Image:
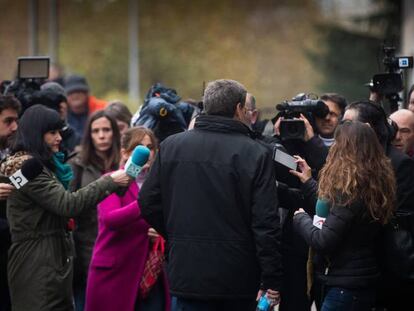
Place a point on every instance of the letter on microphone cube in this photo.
(18, 180)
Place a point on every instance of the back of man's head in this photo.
(375, 116)
(222, 96)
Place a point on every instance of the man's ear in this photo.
(240, 111)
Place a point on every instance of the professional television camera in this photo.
(389, 84)
(306, 104)
(31, 73)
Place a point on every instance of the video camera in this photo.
(290, 126)
(390, 83)
(31, 73)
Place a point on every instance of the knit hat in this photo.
(76, 83)
(54, 87)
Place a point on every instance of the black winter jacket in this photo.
(345, 246)
(403, 167)
(211, 192)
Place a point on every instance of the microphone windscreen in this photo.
(31, 168)
(322, 208)
(140, 155)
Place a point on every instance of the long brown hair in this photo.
(88, 153)
(358, 169)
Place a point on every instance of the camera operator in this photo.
(395, 293)
(325, 127)
(318, 119)
(320, 116)
(9, 110)
(295, 132)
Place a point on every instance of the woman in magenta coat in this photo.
(122, 246)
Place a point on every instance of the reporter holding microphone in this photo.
(40, 262)
(357, 192)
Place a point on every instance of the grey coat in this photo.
(86, 223)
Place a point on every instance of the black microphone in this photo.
(31, 168)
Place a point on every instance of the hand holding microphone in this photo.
(30, 169)
(132, 169)
(121, 178)
(322, 211)
(5, 190)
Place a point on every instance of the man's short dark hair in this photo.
(222, 96)
(339, 100)
(9, 102)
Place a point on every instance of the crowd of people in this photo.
(212, 221)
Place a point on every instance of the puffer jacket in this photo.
(345, 247)
(41, 259)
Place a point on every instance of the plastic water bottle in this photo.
(263, 304)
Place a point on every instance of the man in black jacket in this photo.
(9, 110)
(211, 192)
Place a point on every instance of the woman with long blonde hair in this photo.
(357, 187)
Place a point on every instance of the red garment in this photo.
(96, 104)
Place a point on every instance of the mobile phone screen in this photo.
(285, 159)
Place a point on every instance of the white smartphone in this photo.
(285, 159)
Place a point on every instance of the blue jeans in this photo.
(341, 299)
(182, 304)
(79, 293)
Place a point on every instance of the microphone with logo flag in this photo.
(137, 160)
(31, 168)
(134, 165)
(322, 211)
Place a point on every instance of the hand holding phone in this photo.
(305, 172)
(285, 159)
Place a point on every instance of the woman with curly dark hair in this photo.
(357, 187)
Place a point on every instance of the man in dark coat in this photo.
(211, 192)
(9, 111)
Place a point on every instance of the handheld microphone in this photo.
(322, 211)
(137, 160)
(31, 168)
